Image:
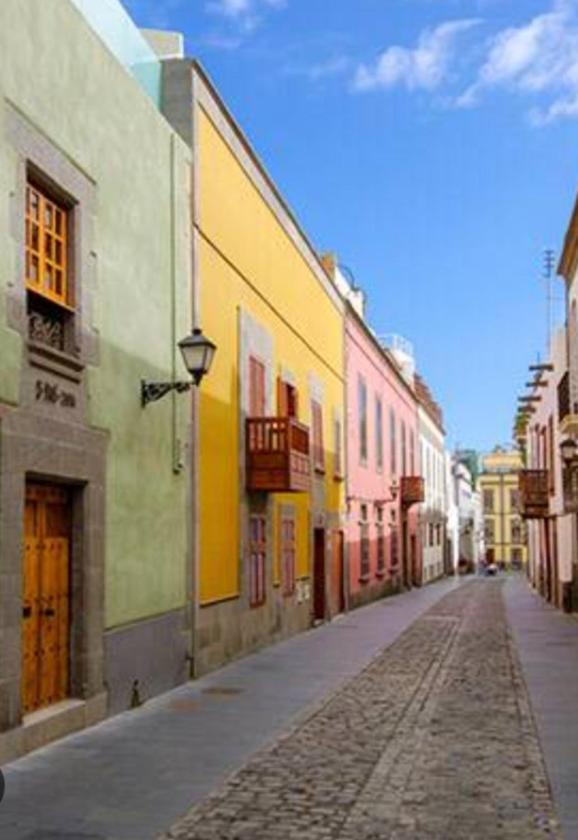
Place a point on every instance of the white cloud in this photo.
(246, 14)
(425, 66)
(539, 58)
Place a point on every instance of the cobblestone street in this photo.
(434, 739)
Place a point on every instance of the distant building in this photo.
(432, 459)
(504, 531)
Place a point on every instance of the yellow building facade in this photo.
(269, 562)
(504, 529)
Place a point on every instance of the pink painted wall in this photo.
(367, 482)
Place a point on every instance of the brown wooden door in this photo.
(319, 574)
(46, 597)
(337, 576)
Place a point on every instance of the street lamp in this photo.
(568, 449)
(198, 352)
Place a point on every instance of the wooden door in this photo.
(46, 597)
(256, 387)
(319, 574)
(337, 576)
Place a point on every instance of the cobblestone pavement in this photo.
(435, 739)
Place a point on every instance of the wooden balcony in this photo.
(567, 407)
(534, 494)
(412, 490)
(277, 455)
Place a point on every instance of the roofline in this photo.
(325, 279)
(383, 351)
(570, 250)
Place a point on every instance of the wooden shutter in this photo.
(256, 387)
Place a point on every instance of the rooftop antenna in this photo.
(547, 273)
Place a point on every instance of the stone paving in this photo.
(434, 739)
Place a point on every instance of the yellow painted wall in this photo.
(247, 260)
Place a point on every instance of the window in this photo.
(317, 423)
(489, 531)
(362, 418)
(551, 461)
(257, 558)
(514, 499)
(403, 449)
(287, 546)
(287, 399)
(431, 534)
(489, 500)
(380, 569)
(378, 433)
(364, 543)
(46, 248)
(394, 547)
(337, 464)
(256, 387)
(438, 534)
(516, 531)
(412, 452)
(392, 442)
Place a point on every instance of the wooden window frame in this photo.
(362, 419)
(337, 453)
(257, 559)
(51, 238)
(317, 434)
(257, 365)
(288, 551)
(287, 399)
(379, 433)
(364, 545)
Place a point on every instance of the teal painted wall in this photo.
(59, 75)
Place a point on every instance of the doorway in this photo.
(338, 575)
(46, 610)
(319, 574)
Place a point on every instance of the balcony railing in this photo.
(534, 494)
(277, 455)
(412, 490)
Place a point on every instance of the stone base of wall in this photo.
(368, 593)
(153, 651)
(231, 629)
(50, 724)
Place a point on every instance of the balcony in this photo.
(412, 490)
(567, 407)
(277, 455)
(534, 494)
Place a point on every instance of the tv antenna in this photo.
(547, 274)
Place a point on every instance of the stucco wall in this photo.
(367, 481)
(252, 267)
(91, 110)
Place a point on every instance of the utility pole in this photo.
(547, 273)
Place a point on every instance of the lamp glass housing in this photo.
(568, 450)
(198, 352)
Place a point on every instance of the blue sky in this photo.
(433, 144)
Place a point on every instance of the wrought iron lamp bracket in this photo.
(153, 391)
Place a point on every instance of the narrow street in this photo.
(406, 719)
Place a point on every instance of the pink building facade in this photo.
(383, 549)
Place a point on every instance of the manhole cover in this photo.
(222, 690)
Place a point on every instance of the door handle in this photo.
(26, 612)
(49, 611)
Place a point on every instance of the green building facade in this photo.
(95, 292)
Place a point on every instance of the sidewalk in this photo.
(132, 776)
(547, 642)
